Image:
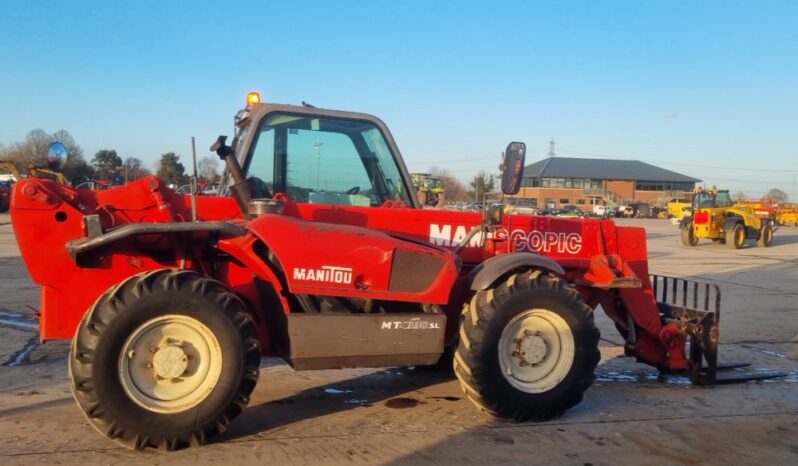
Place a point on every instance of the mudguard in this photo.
(685, 222)
(485, 274)
(729, 222)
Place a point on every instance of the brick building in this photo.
(557, 181)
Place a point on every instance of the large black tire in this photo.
(688, 238)
(493, 317)
(765, 236)
(105, 363)
(735, 236)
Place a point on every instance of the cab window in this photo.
(702, 200)
(722, 199)
(325, 161)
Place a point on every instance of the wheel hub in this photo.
(170, 362)
(536, 350)
(530, 349)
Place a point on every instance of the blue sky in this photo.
(708, 89)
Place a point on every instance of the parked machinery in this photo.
(716, 217)
(429, 189)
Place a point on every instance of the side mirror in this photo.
(57, 156)
(513, 167)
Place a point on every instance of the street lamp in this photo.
(317, 146)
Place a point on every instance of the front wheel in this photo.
(735, 237)
(165, 359)
(766, 236)
(528, 348)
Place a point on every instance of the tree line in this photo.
(106, 164)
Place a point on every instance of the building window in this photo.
(663, 186)
(565, 201)
(580, 201)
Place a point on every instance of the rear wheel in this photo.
(165, 359)
(735, 237)
(528, 348)
(766, 236)
(688, 237)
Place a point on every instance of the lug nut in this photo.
(148, 364)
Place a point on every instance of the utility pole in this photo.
(551, 148)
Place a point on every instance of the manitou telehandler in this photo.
(320, 253)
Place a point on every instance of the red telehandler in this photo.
(319, 252)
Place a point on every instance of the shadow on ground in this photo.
(363, 391)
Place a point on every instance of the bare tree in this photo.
(208, 169)
(133, 169)
(777, 196)
(481, 184)
(33, 152)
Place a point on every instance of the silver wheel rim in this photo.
(170, 363)
(536, 350)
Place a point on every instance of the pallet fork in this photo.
(695, 309)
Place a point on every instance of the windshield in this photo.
(433, 183)
(702, 200)
(325, 160)
(722, 199)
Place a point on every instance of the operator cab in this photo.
(707, 199)
(321, 157)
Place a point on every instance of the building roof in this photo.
(572, 167)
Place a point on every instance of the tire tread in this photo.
(114, 301)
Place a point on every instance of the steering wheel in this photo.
(354, 190)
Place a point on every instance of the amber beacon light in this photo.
(253, 98)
